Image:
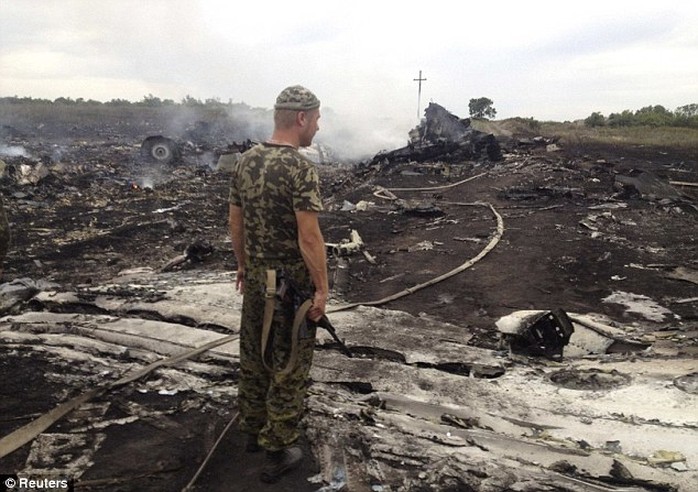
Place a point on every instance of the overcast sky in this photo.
(550, 60)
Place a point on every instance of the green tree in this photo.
(686, 116)
(687, 111)
(595, 119)
(653, 116)
(64, 100)
(151, 101)
(482, 108)
(626, 118)
(118, 102)
(191, 101)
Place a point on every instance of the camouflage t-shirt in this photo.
(271, 182)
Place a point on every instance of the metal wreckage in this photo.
(518, 342)
(443, 136)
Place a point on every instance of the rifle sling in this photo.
(298, 320)
(269, 300)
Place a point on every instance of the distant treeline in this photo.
(149, 101)
(655, 116)
(235, 120)
(683, 116)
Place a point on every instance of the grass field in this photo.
(578, 135)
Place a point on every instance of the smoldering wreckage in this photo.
(521, 316)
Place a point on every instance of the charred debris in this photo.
(106, 198)
(131, 238)
(442, 136)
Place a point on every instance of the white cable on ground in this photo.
(435, 188)
(493, 242)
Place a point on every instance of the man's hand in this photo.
(317, 310)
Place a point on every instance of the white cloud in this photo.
(541, 58)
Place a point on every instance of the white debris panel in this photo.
(417, 406)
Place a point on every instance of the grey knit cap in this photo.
(297, 98)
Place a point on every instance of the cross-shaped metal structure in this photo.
(419, 94)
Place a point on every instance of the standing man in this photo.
(274, 207)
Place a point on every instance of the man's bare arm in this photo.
(237, 236)
(312, 246)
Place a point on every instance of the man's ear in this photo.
(301, 118)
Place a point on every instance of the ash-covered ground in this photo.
(593, 230)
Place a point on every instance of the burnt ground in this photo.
(572, 236)
(91, 218)
(545, 259)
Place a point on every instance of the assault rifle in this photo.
(289, 291)
(324, 322)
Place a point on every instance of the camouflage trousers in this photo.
(271, 404)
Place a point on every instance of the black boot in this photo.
(280, 462)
